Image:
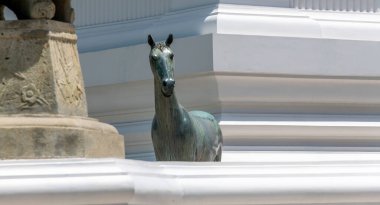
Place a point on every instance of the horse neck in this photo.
(168, 109)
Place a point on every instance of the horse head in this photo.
(161, 60)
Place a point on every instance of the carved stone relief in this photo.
(40, 71)
(43, 111)
(68, 76)
(22, 74)
(31, 96)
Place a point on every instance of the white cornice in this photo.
(286, 22)
(95, 12)
(268, 179)
(223, 17)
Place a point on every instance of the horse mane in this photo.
(161, 46)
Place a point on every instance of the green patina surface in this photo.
(179, 135)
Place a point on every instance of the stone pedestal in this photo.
(43, 109)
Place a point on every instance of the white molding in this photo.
(338, 5)
(261, 3)
(271, 178)
(306, 157)
(97, 12)
(102, 25)
(243, 17)
(127, 33)
(294, 133)
(285, 22)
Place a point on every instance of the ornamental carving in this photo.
(31, 96)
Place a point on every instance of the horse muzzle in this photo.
(168, 87)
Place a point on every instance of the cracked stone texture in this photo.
(43, 109)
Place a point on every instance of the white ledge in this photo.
(337, 180)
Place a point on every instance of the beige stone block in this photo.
(46, 137)
(39, 69)
(43, 109)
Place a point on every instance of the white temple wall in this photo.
(279, 75)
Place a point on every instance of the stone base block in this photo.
(47, 137)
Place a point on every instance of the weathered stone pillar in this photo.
(43, 110)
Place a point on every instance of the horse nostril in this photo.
(168, 83)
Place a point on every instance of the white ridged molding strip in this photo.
(338, 5)
(268, 179)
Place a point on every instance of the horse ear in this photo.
(151, 41)
(169, 41)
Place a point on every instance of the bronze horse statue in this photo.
(179, 135)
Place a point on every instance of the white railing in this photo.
(338, 5)
(93, 12)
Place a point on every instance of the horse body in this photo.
(179, 135)
(209, 136)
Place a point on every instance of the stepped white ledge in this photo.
(285, 22)
(108, 181)
(282, 133)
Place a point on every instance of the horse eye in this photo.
(154, 57)
(171, 56)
